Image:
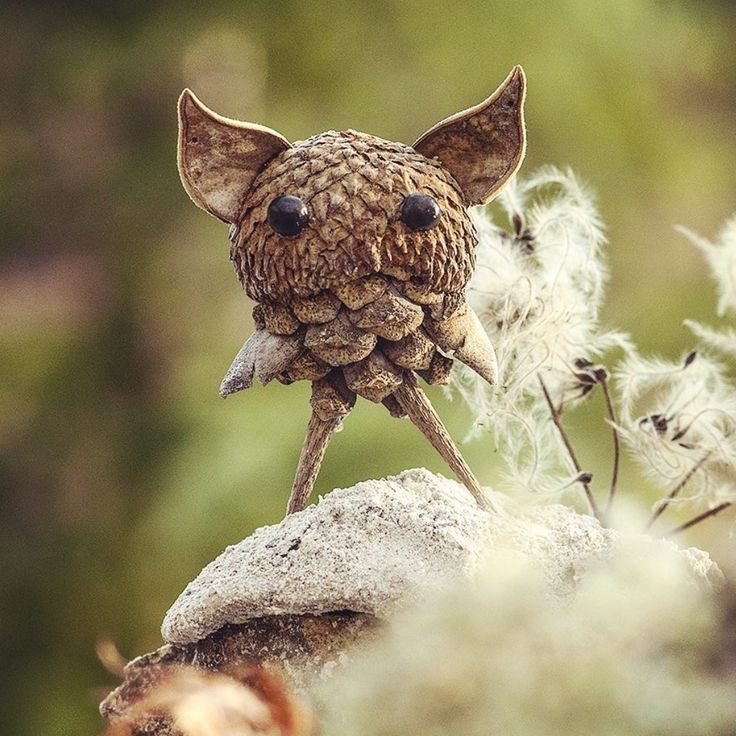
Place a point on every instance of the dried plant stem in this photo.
(319, 433)
(616, 442)
(413, 401)
(700, 517)
(555, 413)
(661, 508)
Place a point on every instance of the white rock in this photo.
(379, 544)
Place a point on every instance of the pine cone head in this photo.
(354, 186)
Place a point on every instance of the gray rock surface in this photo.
(379, 544)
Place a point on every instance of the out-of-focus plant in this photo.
(721, 257)
(638, 650)
(539, 290)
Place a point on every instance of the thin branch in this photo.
(555, 413)
(675, 491)
(616, 440)
(701, 517)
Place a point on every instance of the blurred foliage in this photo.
(122, 473)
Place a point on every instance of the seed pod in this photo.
(358, 251)
(464, 337)
(263, 356)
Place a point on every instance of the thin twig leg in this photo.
(319, 433)
(414, 402)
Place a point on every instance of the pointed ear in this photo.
(219, 158)
(482, 147)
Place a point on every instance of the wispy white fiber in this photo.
(721, 257)
(680, 416)
(721, 341)
(538, 290)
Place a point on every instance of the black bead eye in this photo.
(288, 215)
(420, 212)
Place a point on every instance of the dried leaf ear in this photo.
(219, 158)
(482, 147)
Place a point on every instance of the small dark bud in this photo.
(526, 241)
(660, 422)
(585, 378)
(518, 223)
(586, 478)
(601, 375)
(690, 358)
(582, 363)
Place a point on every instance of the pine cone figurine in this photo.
(357, 251)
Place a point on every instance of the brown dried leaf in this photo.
(483, 146)
(219, 158)
(186, 701)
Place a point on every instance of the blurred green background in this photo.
(122, 472)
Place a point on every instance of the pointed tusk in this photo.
(463, 337)
(239, 375)
(263, 356)
(477, 351)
